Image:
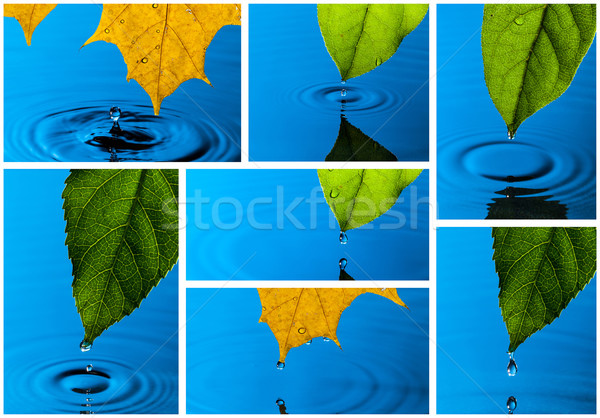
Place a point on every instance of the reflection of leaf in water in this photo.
(360, 37)
(122, 237)
(527, 207)
(296, 316)
(344, 275)
(541, 270)
(353, 145)
(356, 197)
(163, 45)
(28, 15)
(531, 53)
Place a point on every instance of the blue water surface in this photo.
(276, 224)
(295, 90)
(556, 366)
(43, 364)
(57, 96)
(231, 358)
(547, 171)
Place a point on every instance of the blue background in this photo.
(555, 146)
(295, 90)
(42, 329)
(56, 95)
(290, 253)
(556, 365)
(383, 368)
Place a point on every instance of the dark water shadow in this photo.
(353, 145)
(518, 203)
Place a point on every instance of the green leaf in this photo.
(122, 236)
(356, 197)
(353, 145)
(360, 37)
(531, 53)
(540, 271)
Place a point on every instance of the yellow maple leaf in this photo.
(163, 44)
(28, 16)
(296, 316)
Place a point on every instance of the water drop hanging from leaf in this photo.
(166, 37)
(531, 53)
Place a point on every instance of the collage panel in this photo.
(495, 76)
(299, 354)
(307, 224)
(90, 327)
(516, 320)
(351, 81)
(163, 85)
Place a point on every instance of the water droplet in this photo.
(280, 402)
(302, 330)
(144, 60)
(343, 81)
(154, 6)
(157, 47)
(334, 193)
(343, 92)
(378, 61)
(133, 42)
(264, 308)
(326, 339)
(511, 135)
(520, 20)
(189, 11)
(89, 368)
(343, 238)
(89, 400)
(330, 169)
(511, 404)
(309, 342)
(343, 263)
(512, 365)
(157, 30)
(280, 365)
(383, 289)
(107, 30)
(122, 21)
(85, 346)
(115, 113)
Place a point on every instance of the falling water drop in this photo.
(343, 263)
(309, 342)
(520, 20)
(511, 404)
(343, 238)
(512, 365)
(89, 399)
(280, 365)
(343, 81)
(343, 92)
(280, 402)
(115, 113)
(326, 339)
(85, 346)
(89, 368)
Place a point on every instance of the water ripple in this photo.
(474, 166)
(83, 133)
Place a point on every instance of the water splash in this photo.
(511, 404)
(343, 238)
(115, 114)
(511, 369)
(343, 263)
